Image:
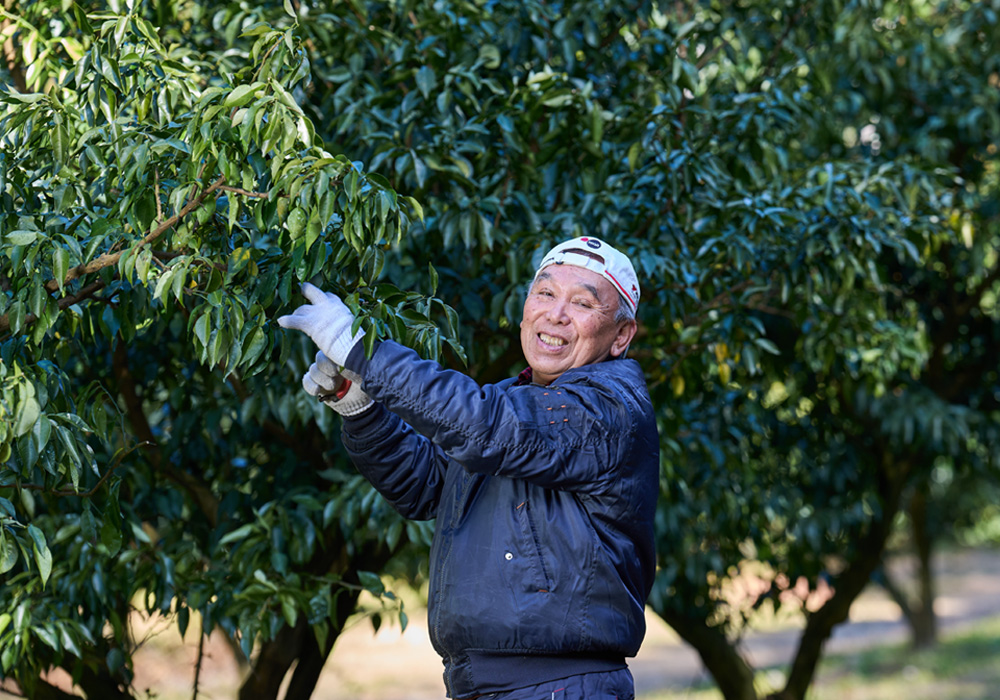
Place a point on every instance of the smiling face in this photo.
(569, 321)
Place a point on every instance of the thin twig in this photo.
(156, 190)
(108, 259)
(197, 668)
(246, 193)
(63, 304)
(98, 485)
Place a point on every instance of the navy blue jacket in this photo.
(544, 498)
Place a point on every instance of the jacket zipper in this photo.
(466, 481)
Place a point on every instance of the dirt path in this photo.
(968, 585)
(394, 666)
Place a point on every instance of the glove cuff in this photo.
(352, 405)
(342, 345)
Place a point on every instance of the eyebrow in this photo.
(586, 285)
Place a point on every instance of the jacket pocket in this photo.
(541, 573)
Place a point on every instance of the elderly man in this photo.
(544, 486)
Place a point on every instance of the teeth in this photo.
(550, 339)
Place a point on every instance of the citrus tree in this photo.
(774, 199)
(163, 195)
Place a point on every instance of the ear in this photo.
(625, 334)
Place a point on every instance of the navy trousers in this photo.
(610, 685)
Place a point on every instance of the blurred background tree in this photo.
(808, 191)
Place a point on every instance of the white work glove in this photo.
(327, 321)
(338, 388)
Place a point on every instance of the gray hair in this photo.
(625, 311)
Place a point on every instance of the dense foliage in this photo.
(808, 190)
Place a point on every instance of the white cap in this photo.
(597, 256)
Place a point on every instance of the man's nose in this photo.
(557, 311)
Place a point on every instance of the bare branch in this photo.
(156, 191)
(63, 304)
(108, 259)
(197, 667)
(246, 193)
(10, 56)
(97, 486)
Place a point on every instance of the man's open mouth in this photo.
(551, 339)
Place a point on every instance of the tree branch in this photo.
(247, 193)
(10, 53)
(108, 259)
(97, 486)
(156, 194)
(197, 668)
(63, 304)
(200, 494)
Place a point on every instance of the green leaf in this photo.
(417, 207)
(111, 534)
(253, 346)
(47, 636)
(239, 533)
(426, 80)
(21, 237)
(8, 552)
(370, 337)
(288, 608)
(256, 29)
(201, 328)
(296, 223)
(241, 95)
(43, 557)
(432, 273)
(767, 345)
(371, 583)
(115, 660)
(68, 643)
(163, 285)
(183, 619)
(27, 414)
(60, 141)
(60, 265)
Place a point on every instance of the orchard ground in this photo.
(866, 651)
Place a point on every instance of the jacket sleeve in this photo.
(568, 437)
(405, 467)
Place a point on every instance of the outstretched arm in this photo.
(569, 438)
(402, 465)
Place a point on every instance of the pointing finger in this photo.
(313, 293)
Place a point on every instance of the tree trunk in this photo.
(10, 53)
(274, 660)
(298, 646)
(923, 622)
(732, 674)
(314, 657)
(100, 684)
(44, 691)
(849, 584)
(917, 608)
